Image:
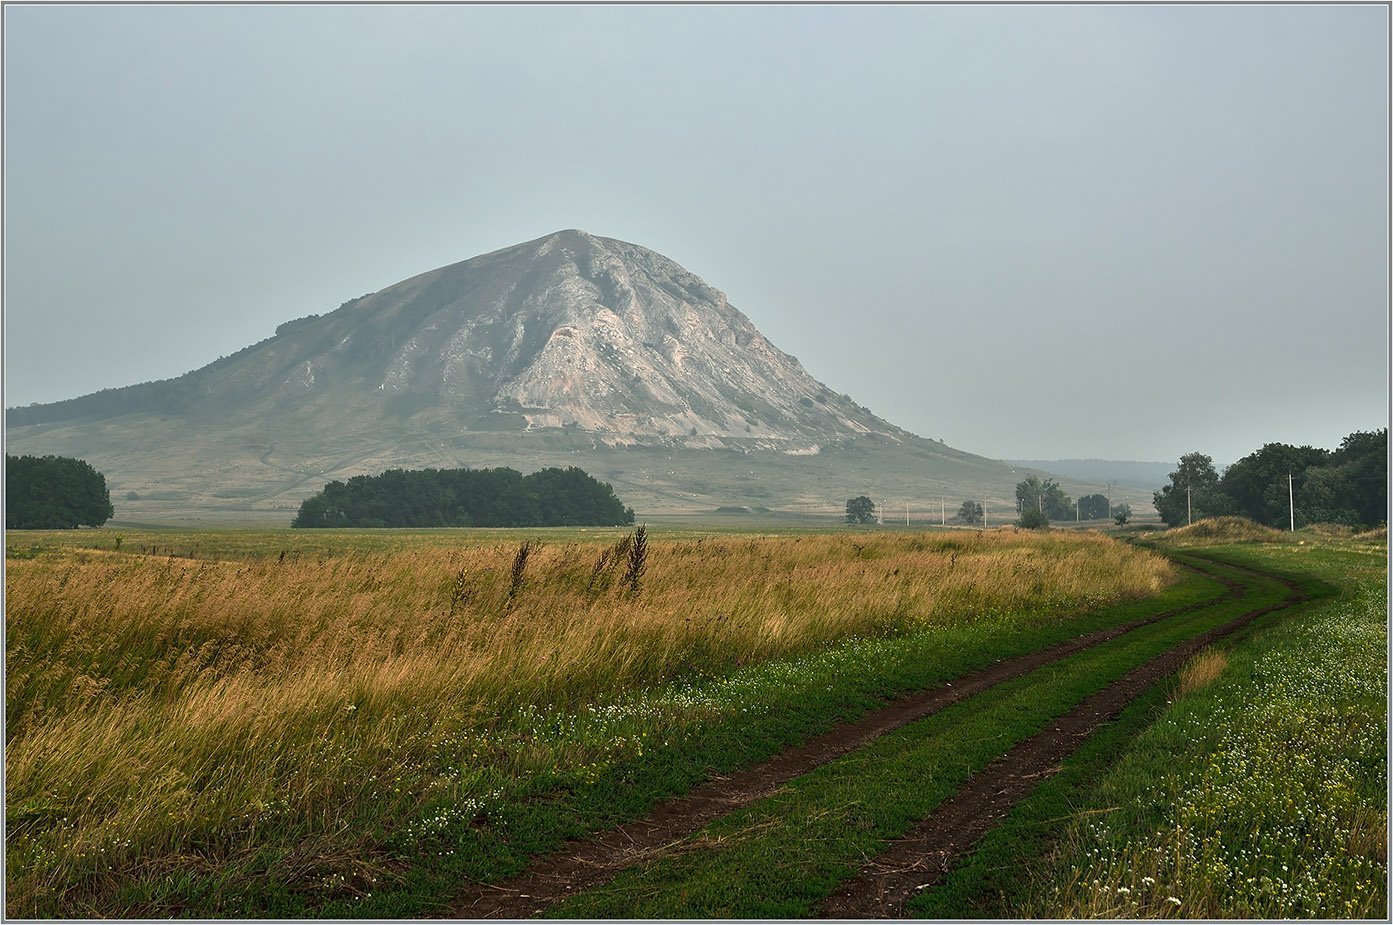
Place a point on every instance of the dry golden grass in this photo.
(1224, 529)
(162, 709)
(1201, 670)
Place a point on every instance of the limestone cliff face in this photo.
(572, 331)
(570, 350)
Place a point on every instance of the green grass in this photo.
(1260, 795)
(1263, 795)
(781, 856)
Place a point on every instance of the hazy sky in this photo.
(1123, 232)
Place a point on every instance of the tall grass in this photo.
(169, 714)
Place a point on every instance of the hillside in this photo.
(569, 350)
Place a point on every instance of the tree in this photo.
(1325, 497)
(860, 510)
(970, 512)
(54, 493)
(1044, 497)
(1256, 485)
(1351, 487)
(465, 497)
(1195, 472)
(1031, 519)
(1121, 514)
(1093, 507)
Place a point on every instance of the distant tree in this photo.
(1195, 472)
(54, 493)
(465, 497)
(1093, 507)
(1044, 497)
(1325, 497)
(1351, 487)
(970, 512)
(1121, 514)
(1256, 485)
(1032, 519)
(860, 510)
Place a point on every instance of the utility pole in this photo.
(906, 513)
(880, 518)
(1291, 503)
(1110, 501)
(1076, 510)
(1188, 521)
(942, 518)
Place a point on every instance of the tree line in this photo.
(1039, 501)
(54, 493)
(1348, 485)
(465, 498)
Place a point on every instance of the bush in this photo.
(1033, 520)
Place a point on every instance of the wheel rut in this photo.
(581, 864)
(922, 857)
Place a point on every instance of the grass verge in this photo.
(1262, 795)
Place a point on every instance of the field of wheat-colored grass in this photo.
(171, 714)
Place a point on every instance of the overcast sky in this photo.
(1120, 232)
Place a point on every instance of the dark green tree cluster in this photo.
(860, 510)
(970, 512)
(1348, 486)
(1044, 498)
(465, 498)
(1093, 507)
(54, 493)
(1193, 492)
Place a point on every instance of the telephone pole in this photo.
(906, 513)
(1188, 521)
(942, 517)
(1291, 503)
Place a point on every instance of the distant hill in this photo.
(569, 350)
(1127, 473)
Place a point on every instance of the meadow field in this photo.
(300, 723)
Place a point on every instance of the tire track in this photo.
(582, 864)
(921, 858)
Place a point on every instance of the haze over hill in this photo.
(1125, 472)
(571, 349)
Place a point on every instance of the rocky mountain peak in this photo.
(573, 330)
(570, 331)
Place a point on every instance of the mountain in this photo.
(571, 349)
